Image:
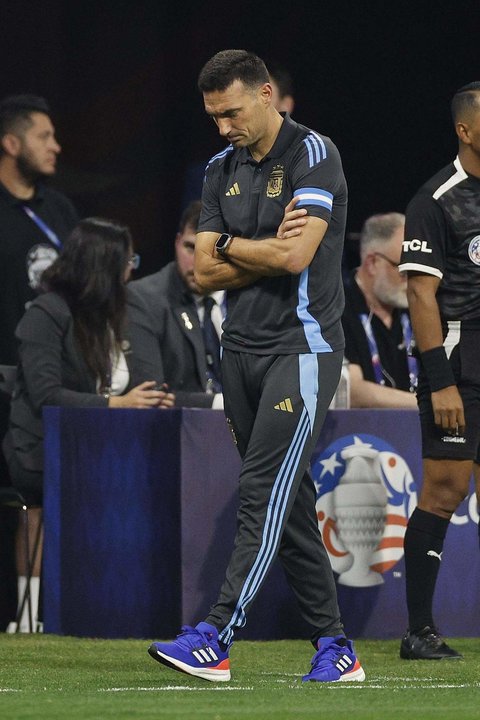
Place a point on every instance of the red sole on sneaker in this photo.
(219, 674)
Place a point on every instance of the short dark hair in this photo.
(15, 112)
(190, 216)
(229, 65)
(281, 78)
(465, 100)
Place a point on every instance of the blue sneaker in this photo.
(196, 651)
(335, 661)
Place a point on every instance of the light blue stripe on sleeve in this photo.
(314, 156)
(314, 196)
(321, 144)
(316, 148)
(308, 145)
(219, 156)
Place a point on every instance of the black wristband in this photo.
(437, 368)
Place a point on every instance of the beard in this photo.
(394, 296)
(28, 170)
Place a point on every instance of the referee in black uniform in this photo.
(282, 353)
(441, 254)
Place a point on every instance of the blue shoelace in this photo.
(190, 638)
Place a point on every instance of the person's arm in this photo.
(41, 336)
(368, 394)
(427, 329)
(291, 251)
(213, 272)
(279, 256)
(41, 352)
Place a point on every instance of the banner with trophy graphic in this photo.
(367, 472)
(140, 516)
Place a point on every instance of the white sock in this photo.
(34, 595)
(21, 585)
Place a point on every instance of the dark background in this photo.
(377, 77)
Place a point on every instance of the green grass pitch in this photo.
(44, 676)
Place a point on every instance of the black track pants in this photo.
(276, 406)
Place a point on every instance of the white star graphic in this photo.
(329, 465)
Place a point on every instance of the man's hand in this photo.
(292, 221)
(448, 410)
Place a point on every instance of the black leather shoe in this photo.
(426, 644)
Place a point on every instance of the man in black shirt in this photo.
(282, 354)
(34, 219)
(376, 322)
(441, 254)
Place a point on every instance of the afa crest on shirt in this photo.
(275, 182)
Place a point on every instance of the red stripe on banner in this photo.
(396, 520)
(390, 542)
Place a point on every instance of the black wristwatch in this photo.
(223, 243)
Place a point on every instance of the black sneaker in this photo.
(426, 644)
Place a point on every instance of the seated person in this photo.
(376, 323)
(185, 326)
(72, 349)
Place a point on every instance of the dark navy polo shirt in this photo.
(288, 313)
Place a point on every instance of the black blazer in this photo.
(52, 371)
(162, 305)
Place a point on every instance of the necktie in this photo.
(212, 348)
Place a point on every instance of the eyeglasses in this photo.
(390, 262)
(134, 261)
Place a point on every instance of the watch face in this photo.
(223, 241)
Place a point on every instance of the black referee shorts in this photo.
(462, 346)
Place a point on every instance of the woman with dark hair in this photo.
(72, 347)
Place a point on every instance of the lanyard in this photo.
(52, 236)
(378, 371)
(408, 341)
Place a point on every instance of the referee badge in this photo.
(474, 250)
(275, 182)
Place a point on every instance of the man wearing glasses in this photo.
(376, 324)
